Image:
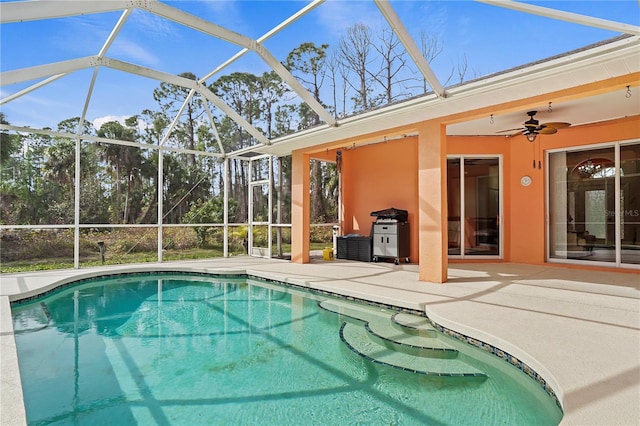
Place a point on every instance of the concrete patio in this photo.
(579, 329)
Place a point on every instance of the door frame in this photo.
(500, 218)
(617, 217)
(252, 249)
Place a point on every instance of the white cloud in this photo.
(98, 122)
(134, 52)
(150, 24)
(228, 14)
(339, 15)
(223, 7)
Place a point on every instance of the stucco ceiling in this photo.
(577, 112)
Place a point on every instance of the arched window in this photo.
(595, 168)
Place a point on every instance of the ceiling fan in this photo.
(533, 128)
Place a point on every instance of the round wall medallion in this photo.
(525, 180)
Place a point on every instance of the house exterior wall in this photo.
(376, 177)
(403, 174)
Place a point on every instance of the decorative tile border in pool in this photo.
(502, 355)
(505, 356)
(462, 337)
(117, 275)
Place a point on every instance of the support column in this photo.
(300, 206)
(432, 194)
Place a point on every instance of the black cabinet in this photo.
(354, 248)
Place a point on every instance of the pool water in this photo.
(178, 349)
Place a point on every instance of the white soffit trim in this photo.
(571, 70)
(621, 57)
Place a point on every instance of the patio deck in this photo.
(579, 329)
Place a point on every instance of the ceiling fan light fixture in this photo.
(532, 127)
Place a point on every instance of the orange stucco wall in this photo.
(524, 208)
(387, 174)
(376, 177)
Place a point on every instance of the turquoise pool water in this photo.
(178, 349)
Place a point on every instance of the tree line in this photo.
(119, 183)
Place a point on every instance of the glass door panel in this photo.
(482, 206)
(582, 205)
(630, 203)
(453, 206)
(473, 202)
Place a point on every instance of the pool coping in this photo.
(493, 350)
(304, 276)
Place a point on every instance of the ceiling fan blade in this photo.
(510, 130)
(548, 130)
(558, 125)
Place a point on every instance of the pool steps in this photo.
(413, 324)
(386, 334)
(398, 340)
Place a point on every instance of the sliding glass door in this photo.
(594, 205)
(474, 207)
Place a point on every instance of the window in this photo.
(594, 211)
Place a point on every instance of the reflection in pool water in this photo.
(193, 349)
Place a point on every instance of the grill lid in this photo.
(392, 213)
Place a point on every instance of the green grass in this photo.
(40, 265)
(120, 258)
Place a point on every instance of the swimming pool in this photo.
(196, 349)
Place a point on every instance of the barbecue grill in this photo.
(390, 235)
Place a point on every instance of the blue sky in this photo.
(491, 39)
